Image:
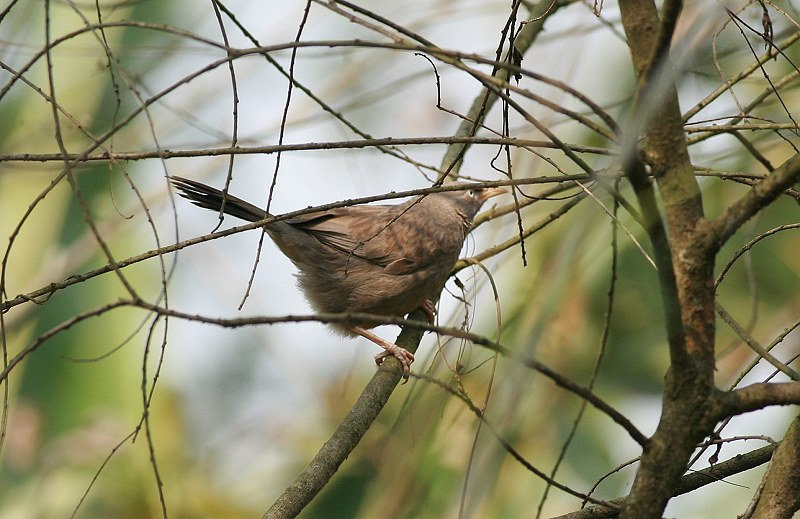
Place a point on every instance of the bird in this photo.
(387, 260)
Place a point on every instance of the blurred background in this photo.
(234, 414)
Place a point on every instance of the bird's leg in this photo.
(392, 350)
(430, 310)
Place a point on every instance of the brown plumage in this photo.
(377, 259)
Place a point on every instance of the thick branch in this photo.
(756, 199)
(687, 289)
(662, 255)
(780, 496)
(688, 483)
(755, 397)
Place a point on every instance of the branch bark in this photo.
(780, 497)
(756, 396)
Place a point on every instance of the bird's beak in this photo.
(489, 192)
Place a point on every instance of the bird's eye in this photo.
(474, 192)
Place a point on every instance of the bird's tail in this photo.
(208, 197)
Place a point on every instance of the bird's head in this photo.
(469, 200)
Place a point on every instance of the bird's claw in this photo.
(401, 354)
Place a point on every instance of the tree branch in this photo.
(349, 433)
(682, 255)
(484, 101)
(755, 397)
(754, 200)
(780, 496)
(754, 345)
(689, 482)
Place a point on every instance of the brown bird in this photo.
(378, 259)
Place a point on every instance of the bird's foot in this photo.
(430, 310)
(403, 355)
(392, 350)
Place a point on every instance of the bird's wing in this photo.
(380, 235)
